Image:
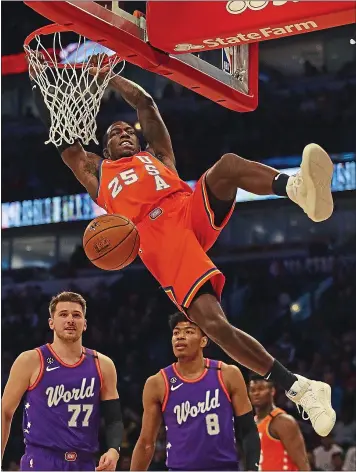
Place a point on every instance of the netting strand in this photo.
(71, 93)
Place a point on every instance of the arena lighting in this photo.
(137, 126)
(295, 308)
(352, 41)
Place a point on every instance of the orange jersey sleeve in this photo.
(134, 186)
(273, 454)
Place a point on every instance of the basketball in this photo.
(111, 242)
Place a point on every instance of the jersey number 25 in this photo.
(129, 177)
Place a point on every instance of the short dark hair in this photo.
(180, 317)
(67, 297)
(176, 318)
(259, 378)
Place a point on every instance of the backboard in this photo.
(175, 37)
(234, 87)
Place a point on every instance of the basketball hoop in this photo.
(71, 94)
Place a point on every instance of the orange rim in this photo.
(56, 28)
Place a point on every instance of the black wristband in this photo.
(247, 434)
(114, 427)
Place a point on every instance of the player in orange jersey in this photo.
(282, 443)
(177, 226)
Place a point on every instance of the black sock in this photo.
(279, 185)
(281, 375)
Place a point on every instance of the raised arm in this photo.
(153, 394)
(245, 427)
(152, 124)
(285, 428)
(19, 380)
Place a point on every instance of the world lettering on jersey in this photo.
(58, 393)
(185, 409)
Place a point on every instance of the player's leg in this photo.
(312, 396)
(206, 311)
(310, 188)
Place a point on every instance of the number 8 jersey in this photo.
(199, 421)
(134, 186)
(62, 407)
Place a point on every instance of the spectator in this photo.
(345, 429)
(350, 459)
(337, 461)
(323, 454)
(312, 461)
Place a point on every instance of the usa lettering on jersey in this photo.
(129, 177)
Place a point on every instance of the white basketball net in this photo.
(71, 94)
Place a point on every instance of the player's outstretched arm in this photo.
(285, 428)
(18, 382)
(245, 427)
(153, 393)
(111, 412)
(152, 124)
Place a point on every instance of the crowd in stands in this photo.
(128, 321)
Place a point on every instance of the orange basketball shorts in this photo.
(174, 239)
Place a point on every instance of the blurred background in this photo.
(290, 283)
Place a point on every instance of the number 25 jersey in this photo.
(134, 186)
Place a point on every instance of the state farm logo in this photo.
(239, 6)
(188, 47)
(260, 34)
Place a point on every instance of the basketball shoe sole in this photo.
(311, 187)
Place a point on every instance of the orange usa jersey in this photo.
(134, 186)
(273, 454)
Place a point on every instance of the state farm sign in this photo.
(228, 23)
(244, 38)
(236, 8)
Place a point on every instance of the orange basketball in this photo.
(111, 242)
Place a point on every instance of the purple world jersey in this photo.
(199, 421)
(61, 409)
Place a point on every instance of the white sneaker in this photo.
(315, 400)
(310, 188)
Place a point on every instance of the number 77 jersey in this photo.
(134, 186)
(62, 406)
(199, 421)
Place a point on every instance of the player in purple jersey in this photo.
(205, 408)
(66, 388)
